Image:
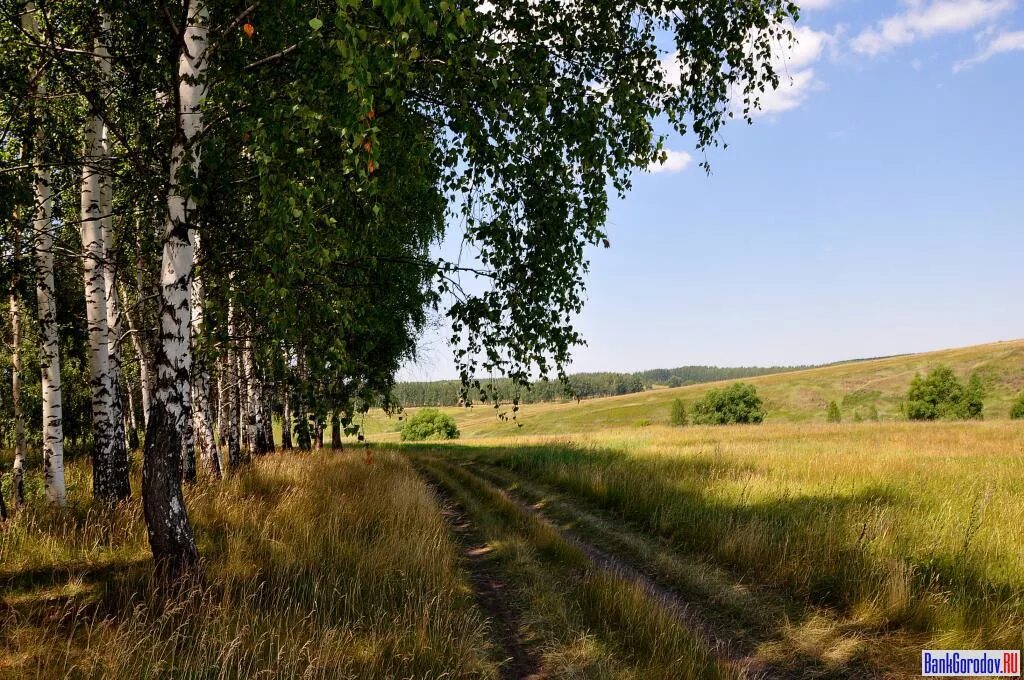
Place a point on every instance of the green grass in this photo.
(585, 622)
(797, 396)
(886, 536)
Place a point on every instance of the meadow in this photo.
(588, 540)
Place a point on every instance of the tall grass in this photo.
(315, 566)
(916, 527)
(587, 622)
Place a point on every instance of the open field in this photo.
(815, 548)
(584, 544)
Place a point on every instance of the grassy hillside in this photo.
(797, 396)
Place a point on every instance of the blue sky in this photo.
(876, 206)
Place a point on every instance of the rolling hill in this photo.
(796, 396)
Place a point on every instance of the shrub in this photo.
(679, 415)
(873, 413)
(429, 423)
(941, 396)
(737, 403)
(833, 415)
(1017, 410)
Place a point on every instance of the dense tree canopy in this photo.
(249, 195)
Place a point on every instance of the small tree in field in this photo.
(1017, 410)
(941, 396)
(430, 423)
(679, 415)
(737, 403)
(833, 415)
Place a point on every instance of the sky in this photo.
(875, 207)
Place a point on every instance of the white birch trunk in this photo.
(170, 532)
(145, 383)
(49, 351)
(254, 402)
(114, 323)
(18, 479)
(49, 359)
(286, 416)
(222, 404)
(108, 447)
(231, 380)
(202, 421)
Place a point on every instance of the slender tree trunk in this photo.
(268, 419)
(145, 384)
(18, 471)
(318, 433)
(202, 421)
(170, 532)
(120, 461)
(286, 416)
(335, 431)
(222, 403)
(108, 446)
(231, 379)
(49, 351)
(254, 402)
(132, 425)
(242, 375)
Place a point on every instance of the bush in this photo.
(679, 415)
(1017, 410)
(429, 423)
(833, 415)
(941, 396)
(737, 403)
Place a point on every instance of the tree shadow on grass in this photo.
(816, 551)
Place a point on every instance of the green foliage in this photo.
(833, 414)
(737, 403)
(429, 423)
(579, 385)
(679, 416)
(873, 412)
(941, 396)
(1017, 409)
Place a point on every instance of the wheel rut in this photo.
(489, 589)
(743, 665)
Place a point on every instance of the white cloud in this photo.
(675, 161)
(1002, 43)
(814, 4)
(792, 62)
(924, 20)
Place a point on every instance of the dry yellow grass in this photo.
(912, 532)
(316, 566)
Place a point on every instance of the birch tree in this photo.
(18, 470)
(110, 459)
(170, 533)
(43, 229)
(202, 420)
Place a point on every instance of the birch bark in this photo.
(49, 351)
(170, 532)
(18, 470)
(108, 446)
(202, 421)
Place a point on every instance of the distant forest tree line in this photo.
(580, 385)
